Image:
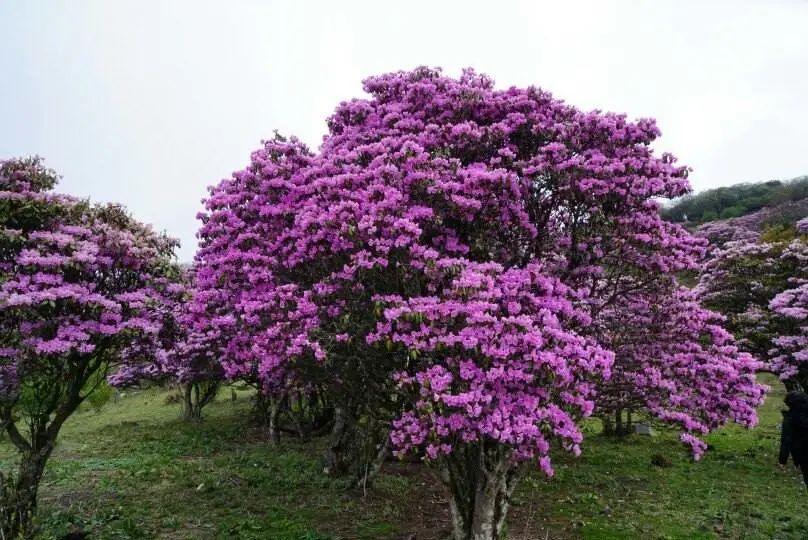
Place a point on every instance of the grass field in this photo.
(134, 470)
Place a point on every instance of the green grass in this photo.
(735, 492)
(135, 470)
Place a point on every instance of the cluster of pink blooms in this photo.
(187, 349)
(719, 233)
(732, 279)
(748, 228)
(505, 362)
(466, 233)
(789, 356)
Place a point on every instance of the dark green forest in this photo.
(736, 200)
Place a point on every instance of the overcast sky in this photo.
(147, 102)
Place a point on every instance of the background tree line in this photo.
(736, 200)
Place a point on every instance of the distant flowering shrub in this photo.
(759, 287)
(674, 359)
(748, 228)
(719, 233)
(802, 226)
(188, 352)
(790, 349)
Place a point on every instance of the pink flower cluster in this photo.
(790, 350)
(187, 349)
(505, 362)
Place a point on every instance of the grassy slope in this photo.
(135, 471)
(735, 491)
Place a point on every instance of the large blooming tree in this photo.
(82, 288)
(442, 262)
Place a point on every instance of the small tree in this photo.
(194, 362)
(498, 372)
(187, 353)
(82, 284)
(674, 361)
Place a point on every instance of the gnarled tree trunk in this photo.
(371, 468)
(481, 479)
(19, 497)
(341, 442)
(196, 396)
(272, 420)
(357, 449)
(266, 413)
(18, 493)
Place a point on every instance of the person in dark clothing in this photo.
(794, 435)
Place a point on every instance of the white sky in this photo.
(149, 102)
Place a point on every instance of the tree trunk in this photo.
(481, 481)
(339, 442)
(372, 468)
(266, 414)
(618, 421)
(18, 496)
(191, 412)
(196, 396)
(272, 425)
(608, 425)
(297, 418)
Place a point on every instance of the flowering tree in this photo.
(439, 262)
(754, 285)
(498, 372)
(260, 281)
(81, 285)
(719, 233)
(194, 362)
(789, 354)
(187, 353)
(674, 360)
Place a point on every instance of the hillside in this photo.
(741, 200)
